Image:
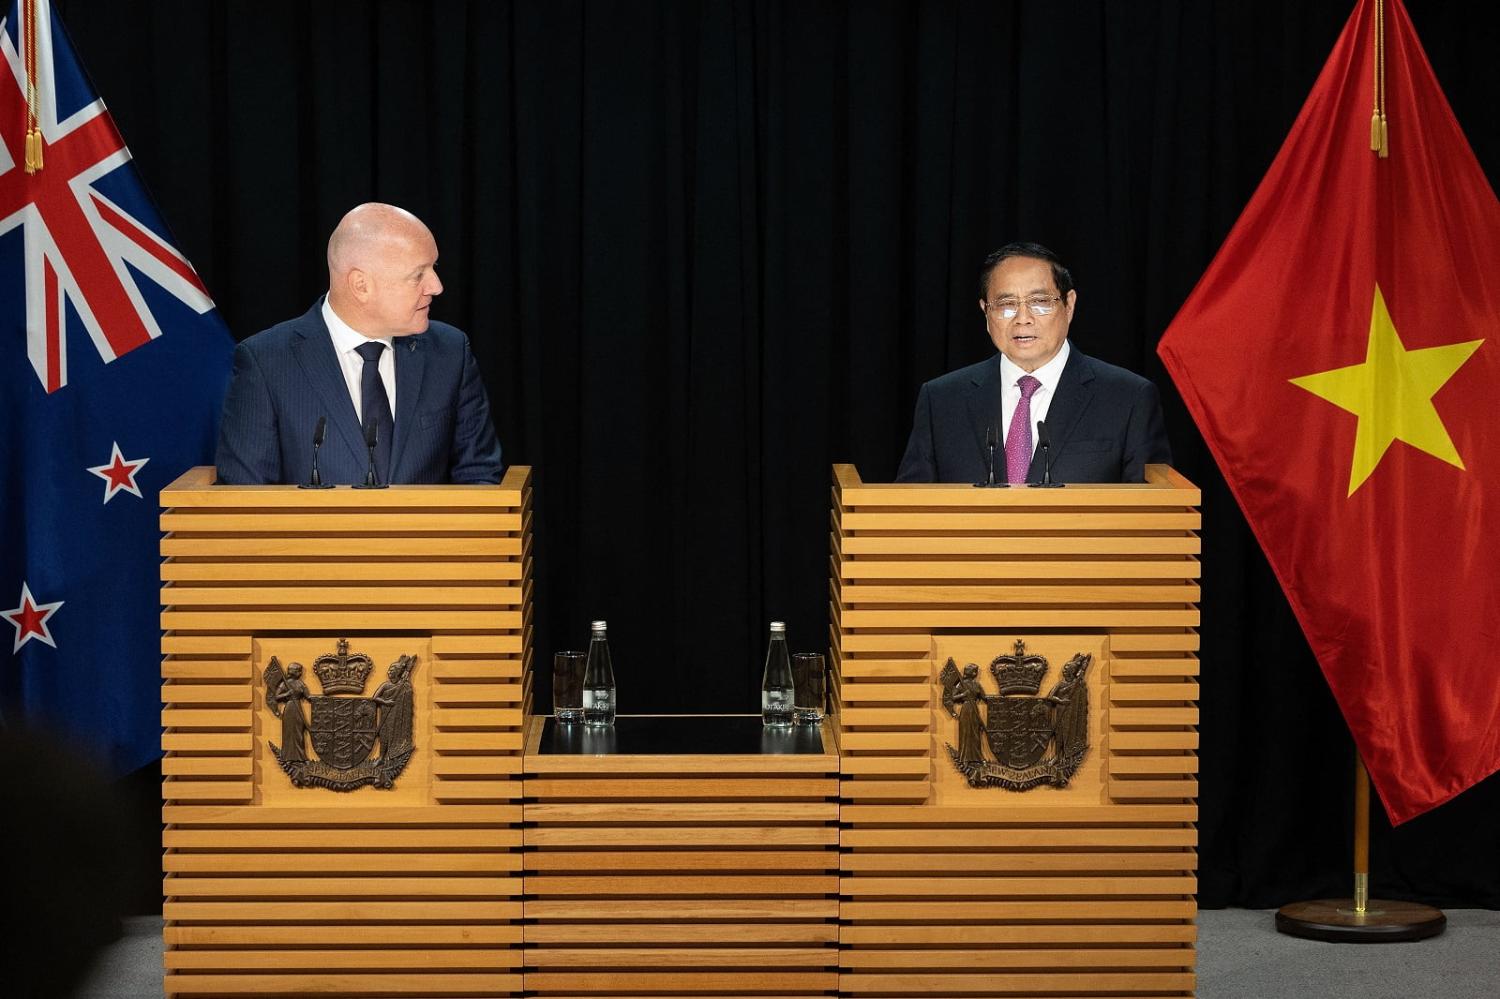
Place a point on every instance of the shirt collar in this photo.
(345, 337)
(1048, 374)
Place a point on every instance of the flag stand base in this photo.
(1360, 919)
(1384, 921)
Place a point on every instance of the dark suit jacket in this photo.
(1104, 423)
(288, 376)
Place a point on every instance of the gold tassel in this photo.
(1380, 135)
(31, 150)
(29, 15)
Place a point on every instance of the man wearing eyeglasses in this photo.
(1102, 423)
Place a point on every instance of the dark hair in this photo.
(1060, 275)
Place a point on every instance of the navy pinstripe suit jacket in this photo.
(288, 376)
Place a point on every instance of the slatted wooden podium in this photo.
(274, 889)
(949, 889)
(869, 869)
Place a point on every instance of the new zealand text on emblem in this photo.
(344, 729)
(1018, 725)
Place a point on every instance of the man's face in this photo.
(1029, 340)
(401, 283)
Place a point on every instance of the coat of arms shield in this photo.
(1018, 729)
(343, 729)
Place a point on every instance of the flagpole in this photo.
(1361, 835)
(1360, 919)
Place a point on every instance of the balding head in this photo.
(366, 230)
(381, 276)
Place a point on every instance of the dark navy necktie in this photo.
(375, 404)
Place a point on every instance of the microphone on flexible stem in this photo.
(315, 480)
(990, 443)
(1044, 441)
(372, 438)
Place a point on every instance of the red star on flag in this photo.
(119, 474)
(30, 619)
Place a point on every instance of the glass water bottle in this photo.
(599, 681)
(777, 694)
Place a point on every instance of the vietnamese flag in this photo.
(1341, 357)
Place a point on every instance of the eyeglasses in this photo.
(1037, 305)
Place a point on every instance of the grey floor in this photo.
(1240, 956)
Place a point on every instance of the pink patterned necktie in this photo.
(1018, 440)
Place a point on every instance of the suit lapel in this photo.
(411, 361)
(1074, 392)
(984, 413)
(314, 351)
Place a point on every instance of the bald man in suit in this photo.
(367, 358)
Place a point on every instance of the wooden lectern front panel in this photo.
(982, 854)
(345, 678)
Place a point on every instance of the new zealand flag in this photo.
(113, 364)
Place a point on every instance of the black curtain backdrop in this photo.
(705, 250)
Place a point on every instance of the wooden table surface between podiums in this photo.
(494, 869)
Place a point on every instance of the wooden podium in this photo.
(871, 866)
(411, 889)
(948, 888)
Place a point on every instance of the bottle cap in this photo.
(597, 626)
(778, 626)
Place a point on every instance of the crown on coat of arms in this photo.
(1019, 673)
(341, 673)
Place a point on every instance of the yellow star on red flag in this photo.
(1391, 393)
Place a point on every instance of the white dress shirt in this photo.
(346, 343)
(1048, 374)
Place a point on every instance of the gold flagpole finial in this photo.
(1380, 139)
(33, 143)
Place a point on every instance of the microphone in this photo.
(990, 442)
(372, 438)
(1044, 441)
(315, 480)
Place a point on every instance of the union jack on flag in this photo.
(113, 363)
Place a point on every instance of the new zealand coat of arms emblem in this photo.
(1018, 726)
(344, 730)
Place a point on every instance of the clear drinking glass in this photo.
(807, 678)
(567, 686)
